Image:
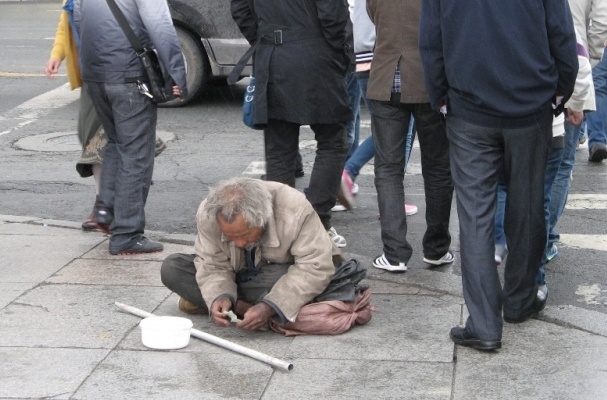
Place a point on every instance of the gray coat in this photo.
(302, 79)
(106, 54)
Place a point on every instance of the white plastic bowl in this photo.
(165, 333)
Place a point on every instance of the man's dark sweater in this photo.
(492, 64)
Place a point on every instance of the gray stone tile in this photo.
(537, 360)
(81, 316)
(16, 218)
(588, 320)
(406, 328)
(39, 229)
(34, 257)
(268, 342)
(426, 278)
(10, 291)
(102, 252)
(175, 375)
(45, 373)
(115, 271)
(379, 286)
(354, 379)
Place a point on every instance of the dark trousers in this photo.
(178, 273)
(390, 125)
(129, 120)
(282, 145)
(477, 155)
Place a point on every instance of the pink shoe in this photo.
(344, 196)
(410, 209)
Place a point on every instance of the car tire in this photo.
(197, 67)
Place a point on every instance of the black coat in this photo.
(300, 59)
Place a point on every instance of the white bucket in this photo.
(165, 333)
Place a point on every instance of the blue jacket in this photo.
(106, 54)
(497, 63)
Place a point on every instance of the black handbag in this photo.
(154, 88)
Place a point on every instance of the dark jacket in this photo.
(300, 70)
(497, 63)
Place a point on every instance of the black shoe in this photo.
(597, 153)
(299, 173)
(143, 245)
(537, 306)
(459, 336)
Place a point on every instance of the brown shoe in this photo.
(191, 308)
(90, 224)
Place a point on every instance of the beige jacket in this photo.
(295, 235)
(590, 20)
(397, 25)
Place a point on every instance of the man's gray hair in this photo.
(245, 196)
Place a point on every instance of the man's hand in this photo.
(177, 92)
(256, 317)
(575, 117)
(220, 305)
(52, 67)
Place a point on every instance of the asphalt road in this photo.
(38, 152)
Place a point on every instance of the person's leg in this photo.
(596, 122)
(282, 144)
(555, 157)
(476, 156)
(389, 123)
(500, 211)
(254, 290)
(328, 166)
(133, 117)
(525, 158)
(410, 140)
(178, 274)
(562, 181)
(438, 185)
(353, 125)
(362, 155)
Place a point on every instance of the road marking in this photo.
(595, 242)
(591, 294)
(39, 106)
(586, 202)
(4, 74)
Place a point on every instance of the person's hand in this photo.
(256, 317)
(176, 91)
(241, 308)
(575, 117)
(52, 67)
(220, 305)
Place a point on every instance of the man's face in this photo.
(240, 233)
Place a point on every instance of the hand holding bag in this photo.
(149, 59)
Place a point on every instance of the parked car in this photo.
(210, 41)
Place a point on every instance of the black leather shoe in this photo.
(537, 306)
(463, 338)
(143, 245)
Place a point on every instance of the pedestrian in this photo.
(498, 71)
(112, 73)
(397, 94)
(262, 253)
(300, 63)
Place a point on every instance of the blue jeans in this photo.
(390, 122)
(562, 180)
(353, 126)
(597, 121)
(129, 120)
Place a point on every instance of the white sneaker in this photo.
(382, 262)
(338, 207)
(410, 209)
(542, 292)
(339, 240)
(354, 189)
(448, 258)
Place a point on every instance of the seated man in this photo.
(261, 251)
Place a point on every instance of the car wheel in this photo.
(197, 67)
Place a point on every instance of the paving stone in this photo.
(402, 330)
(537, 360)
(115, 271)
(357, 379)
(10, 291)
(588, 320)
(176, 375)
(82, 316)
(45, 373)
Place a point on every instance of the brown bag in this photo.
(328, 317)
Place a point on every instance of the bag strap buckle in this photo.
(278, 37)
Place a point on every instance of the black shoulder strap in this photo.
(124, 24)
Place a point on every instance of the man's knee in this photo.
(174, 266)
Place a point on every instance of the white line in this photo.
(587, 202)
(595, 242)
(39, 106)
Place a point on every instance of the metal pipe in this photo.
(275, 362)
